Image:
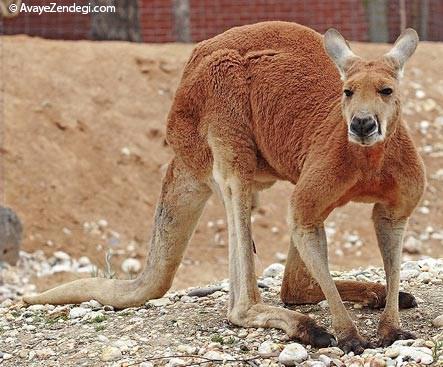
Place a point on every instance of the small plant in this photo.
(97, 319)
(54, 320)
(99, 327)
(125, 313)
(107, 272)
(437, 350)
(229, 341)
(216, 338)
(15, 313)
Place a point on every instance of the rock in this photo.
(173, 362)
(377, 362)
(292, 354)
(325, 359)
(37, 308)
(7, 356)
(203, 292)
(131, 266)
(425, 277)
(110, 354)
(44, 353)
(187, 299)
(331, 350)
(10, 236)
(160, 302)
(103, 339)
(94, 316)
(218, 356)
(78, 312)
(354, 362)
(438, 321)
(102, 223)
(269, 349)
(420, 355)
(409, 274)
(23, 354)
(124, 344)
(323, 304)
(146, 364)
(412, 245)
(420, 94)
(392, 352)
(93, 304)
(313, 364)
(274, 270)
(125, 151)
(280, 256)
(188, 349)
(404, 342)
(62, 256)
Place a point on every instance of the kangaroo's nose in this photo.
(363, 127)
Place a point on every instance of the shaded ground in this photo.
(83, 141)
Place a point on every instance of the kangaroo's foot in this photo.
(295, 324)
(353, 342)
(181, 202)
(387, 337)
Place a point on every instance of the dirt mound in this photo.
(84, 148)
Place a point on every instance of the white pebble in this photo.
(110, 354)
(131, 266)
(438, 321)
(269, 349)
(274, 270)
(77, 312)
(125, 151)
(292, 354)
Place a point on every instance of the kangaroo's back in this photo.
(287, 81)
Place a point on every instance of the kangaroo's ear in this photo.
(338, 50)
(403, 48)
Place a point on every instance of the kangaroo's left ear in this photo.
(403, 48)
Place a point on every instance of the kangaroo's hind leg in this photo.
(179, 207)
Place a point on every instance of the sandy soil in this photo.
(72, 112)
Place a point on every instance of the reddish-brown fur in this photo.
(265, 102)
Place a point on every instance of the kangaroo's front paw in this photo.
(389, 336)
(354, 343)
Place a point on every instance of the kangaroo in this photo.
(278, 101)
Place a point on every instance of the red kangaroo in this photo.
(278, 101)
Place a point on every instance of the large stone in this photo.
(293, 354)
(438, 321)
(131, 266)
(269, 349)
(10, 236)
(78, 312)
(274, 270)
(111, 354)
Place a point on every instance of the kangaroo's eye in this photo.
(385, 91)
(348, 92)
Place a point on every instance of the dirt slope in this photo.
(83, 139)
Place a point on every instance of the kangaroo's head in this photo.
(371, 96)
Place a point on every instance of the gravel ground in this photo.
(181, 329)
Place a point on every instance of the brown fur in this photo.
(261, 103)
